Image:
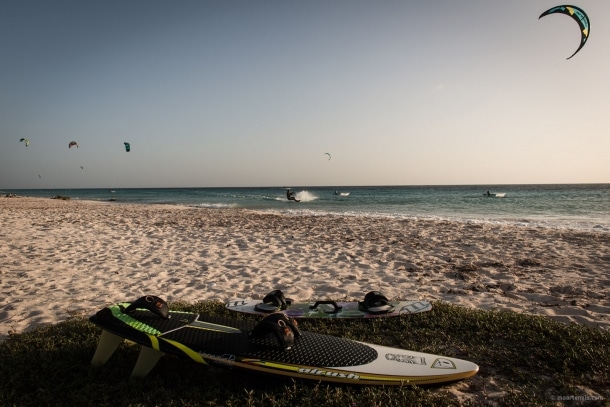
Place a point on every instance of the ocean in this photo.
(575, 206)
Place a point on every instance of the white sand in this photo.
(60, 258)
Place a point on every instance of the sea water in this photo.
(576, 206)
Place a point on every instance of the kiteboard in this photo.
(495, 195)
(275, 346)
(375, 305)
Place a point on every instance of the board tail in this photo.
(109, 343)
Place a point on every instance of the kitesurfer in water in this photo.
(291, 196)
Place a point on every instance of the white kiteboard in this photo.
(374, 305)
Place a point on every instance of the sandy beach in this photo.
(68, 257)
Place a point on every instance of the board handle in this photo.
(336, 309)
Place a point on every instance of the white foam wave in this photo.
(216, 205)
(306, 196)
(529, 223)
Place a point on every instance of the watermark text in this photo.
(576, 398)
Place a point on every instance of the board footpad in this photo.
(309, 349)
(198, 333)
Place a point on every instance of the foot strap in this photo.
(283, 327)
(274, 301)
(375, 303)
(151, 303)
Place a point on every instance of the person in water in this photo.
(291, 196)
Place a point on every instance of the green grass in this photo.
(524, 360)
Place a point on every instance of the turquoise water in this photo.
(580, 206)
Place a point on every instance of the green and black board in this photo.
(229, 343)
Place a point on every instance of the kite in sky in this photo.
(328, 154)
(26, 141)
(579, 16)
(72, 144)
(127, 146)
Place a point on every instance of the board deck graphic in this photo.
(327, 309)
(228, 343)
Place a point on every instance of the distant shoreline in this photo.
(578, 207)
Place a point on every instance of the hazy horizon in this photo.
(255, 93)
(284, 187)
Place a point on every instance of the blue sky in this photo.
(254, 93)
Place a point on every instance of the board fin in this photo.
(108, 343)
(147, 360)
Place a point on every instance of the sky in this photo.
(256, 92)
